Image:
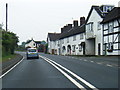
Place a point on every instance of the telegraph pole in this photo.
(6, 16)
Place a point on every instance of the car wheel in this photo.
(37, 57)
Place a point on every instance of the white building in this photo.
(32, 44)
(53, 43)
(111, 32)
(94, 32)
(73, 40)
(91, 37)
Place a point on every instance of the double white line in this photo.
(54, 64)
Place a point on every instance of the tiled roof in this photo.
(53, 36)
(73, 31)
(113, 14)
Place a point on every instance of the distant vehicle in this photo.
(32, 53)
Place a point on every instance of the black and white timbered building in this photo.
(111, 32)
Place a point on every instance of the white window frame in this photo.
(68, 40)
(74, 37)
(81, 36)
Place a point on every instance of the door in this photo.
(99, 48)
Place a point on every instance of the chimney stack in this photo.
(69, 26)
(62, 30)
(66, 28)
(75, 23)
(82, 20)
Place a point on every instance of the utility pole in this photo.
(6, 16)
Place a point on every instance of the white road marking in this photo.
(84, 60)
(92, 61)
(99, 63)
(11, 68)
(65, 74)
(75, 75)
(109, 65)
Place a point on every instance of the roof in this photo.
(37, 42)
(97, 8)
(73, 31)
(113, 14)
(53, 36)
(28, 41)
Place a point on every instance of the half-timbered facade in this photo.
(111, 32)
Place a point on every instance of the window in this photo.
(55, 42)
(74, 38)
(110, 28)
(89, 26)
(73, 46)
(80, 47)
(68, 40)
(110, 47)
(99, 26)
(58, 43)
(63, 41)
(34, 44)
(81, 36)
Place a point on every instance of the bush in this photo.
(9, 42)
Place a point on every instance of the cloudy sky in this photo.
(35, 18)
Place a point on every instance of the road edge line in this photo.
(11, 68)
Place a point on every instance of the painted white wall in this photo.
(71, 43)
(31, 44)
(97, 34)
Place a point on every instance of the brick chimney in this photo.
(69, 26)
(66, 28)
(75, 23)
(82, 20)
(62, 30)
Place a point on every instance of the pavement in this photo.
(104, 60)
(54, 71)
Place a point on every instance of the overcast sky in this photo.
(35, 18)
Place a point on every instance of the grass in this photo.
(8, 57)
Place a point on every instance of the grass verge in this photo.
(8, 57)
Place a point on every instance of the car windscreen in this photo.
(32, 50)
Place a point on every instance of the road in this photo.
(53, 71)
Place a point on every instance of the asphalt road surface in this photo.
(53, 71)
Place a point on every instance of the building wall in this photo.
(32, 44)
(96, 34)
(70, 42)
(111, 36)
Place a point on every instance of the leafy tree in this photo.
(9, 42)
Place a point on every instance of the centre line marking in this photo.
(66, 75)
(75, 75)
(109, 65)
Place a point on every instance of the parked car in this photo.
(32, 53)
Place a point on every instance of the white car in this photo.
(32, 53)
